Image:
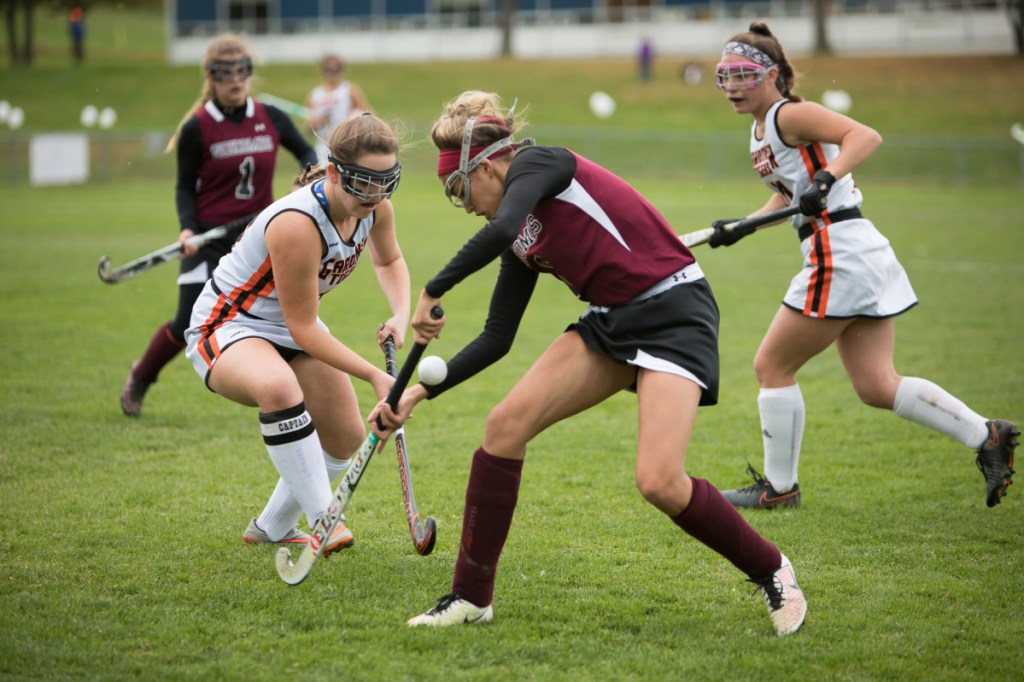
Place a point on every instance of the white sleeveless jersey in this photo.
(244, 278)
(789, 171)
(336, 104)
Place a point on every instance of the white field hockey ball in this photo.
(601, 104)
(107, 118)
(432, 370)
(90, 114)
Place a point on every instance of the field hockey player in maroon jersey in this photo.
(226, 148)
(650, 326)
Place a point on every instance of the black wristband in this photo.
(823, 177)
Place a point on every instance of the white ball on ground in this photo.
(837, 100)
(601, 104)
(107, 118)
(89, 116)
(15, 118)
(432, 370)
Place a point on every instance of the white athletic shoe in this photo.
(254, 535)
(786, 602)
(452, 609)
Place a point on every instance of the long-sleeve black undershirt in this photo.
(536, 173)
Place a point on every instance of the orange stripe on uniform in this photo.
(222, 312)
(820, 283)
(261, 283)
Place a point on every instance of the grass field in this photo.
(120, 551)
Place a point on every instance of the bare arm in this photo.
(803, 122)
(295, 251)
(359, 101)
(392, 273)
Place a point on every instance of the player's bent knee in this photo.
(661, 491)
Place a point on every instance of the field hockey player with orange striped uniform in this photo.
(256, 337)
(851, 286)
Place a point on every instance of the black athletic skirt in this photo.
(675, 331)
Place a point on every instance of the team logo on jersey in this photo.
(242, 146)
(527, 237)
(764, 161)
(260, 127)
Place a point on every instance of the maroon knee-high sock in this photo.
(490, 502)
(162, 348)
(712, 520)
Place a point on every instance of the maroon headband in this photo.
(448, 159)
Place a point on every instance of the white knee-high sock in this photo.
(921, 401)
(335, 467)
(294, 448)
(283, 510)
(782, 429)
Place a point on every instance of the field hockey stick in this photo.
(294, 572)
(745, 226)
(423, 536)
(286, 105)
(112, 275)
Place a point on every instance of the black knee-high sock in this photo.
(490, 502)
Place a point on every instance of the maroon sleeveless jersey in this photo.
(237, 168)
(601, 237)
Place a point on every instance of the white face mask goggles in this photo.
(365, 183)
(739, 75)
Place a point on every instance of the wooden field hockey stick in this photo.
(745, 226)
(112, 275)
(423, 535)
(294, 572)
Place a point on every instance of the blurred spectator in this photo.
(645, 59)
(332, 102)
(76, 27)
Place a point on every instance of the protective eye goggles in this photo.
(456, 188)
(222, 71)
(741, 75)
(365, 183)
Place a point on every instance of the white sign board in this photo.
(59, 159)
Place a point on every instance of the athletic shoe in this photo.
(133, 392)
(786, 603)
(995, 458)
(254, 535)
(761, 495)
(340, 539)
(452, 609)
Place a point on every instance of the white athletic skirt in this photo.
(210, 333)
(850, 270)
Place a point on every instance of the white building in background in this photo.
(284, 31)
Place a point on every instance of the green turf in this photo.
(120, 551)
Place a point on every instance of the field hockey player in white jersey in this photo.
(256, 337)
(335, 100)
(851, 287)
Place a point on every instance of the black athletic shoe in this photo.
(132, 394)
(761, 495)
(995, 458)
